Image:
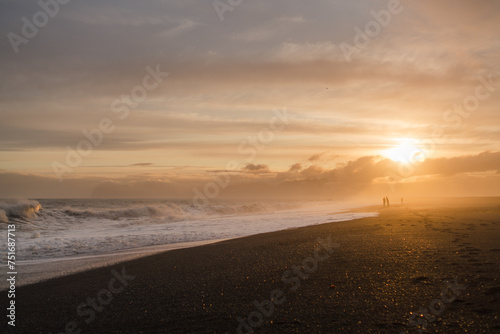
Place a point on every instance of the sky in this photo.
(249, 99)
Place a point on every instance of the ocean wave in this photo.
(175, 211)
(62, 213)
(81, 227)
(257, 207)
(3, 217)
(25, 209)
(165, 211)
(170, 213)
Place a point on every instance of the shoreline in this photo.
(384, 269)
(37, 271)
(40, 270)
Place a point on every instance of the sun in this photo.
(407, 151)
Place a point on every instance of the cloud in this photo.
(22, 185)
(256, 168)
(364, 171)
(143, 164)
(123, 188)
(295, 168)
(226, 78)
(483, 162)
(269, 29)
(183, 27)
(353, 178)
(316, 157)
(108, 15)
(305, 52)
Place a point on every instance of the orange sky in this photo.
(267, 99)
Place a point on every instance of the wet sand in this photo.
(30, 272)
(415, 265)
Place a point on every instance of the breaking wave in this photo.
(3, 217)
(74, 227)
(25, 209)
(172, 213)
(175, 211)
(150, 211)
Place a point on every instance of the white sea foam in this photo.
(18, 209)
(90, 228)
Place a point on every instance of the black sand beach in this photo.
(432, 266)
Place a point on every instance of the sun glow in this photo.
(408, 150)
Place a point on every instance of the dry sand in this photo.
(434, 266)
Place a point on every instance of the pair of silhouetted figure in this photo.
(386, 201)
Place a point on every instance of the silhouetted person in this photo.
(384, 201)
(387, 200)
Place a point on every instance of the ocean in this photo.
(102, 231)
